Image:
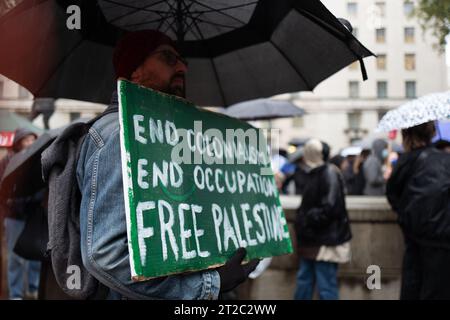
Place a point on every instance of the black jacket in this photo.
(322, 218)
(419, 192)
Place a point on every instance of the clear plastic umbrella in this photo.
(431, 107)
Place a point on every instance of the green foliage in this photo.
(434, 15)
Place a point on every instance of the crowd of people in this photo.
(365, 172)
(415, 180)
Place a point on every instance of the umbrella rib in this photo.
(330, 29)
(187, 7)
(133, 7)
(216, 74)
(292, 65)
(227, 8)
(189, 27)
(144, 22)
(161, 23)
(215, 23)
(171, 27)
(219, 11)
(134, 11)
(174, 17)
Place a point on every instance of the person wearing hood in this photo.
(295, 174)
(375, 183)
(20, 270)
(418, 190)
(322, 226)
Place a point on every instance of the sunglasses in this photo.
(171, 58)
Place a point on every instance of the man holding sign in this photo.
(147, 58)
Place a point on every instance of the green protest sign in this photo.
(197, 186)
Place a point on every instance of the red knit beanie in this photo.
(134, 47)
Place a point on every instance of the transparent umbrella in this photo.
(431, 107)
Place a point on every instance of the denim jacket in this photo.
(103, 230)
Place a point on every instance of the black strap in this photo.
(355, 48)
(363, 69)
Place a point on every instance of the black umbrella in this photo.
(23, 174)
(264, 109)
(237, 50)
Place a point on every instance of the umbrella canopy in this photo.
(431, 107)
(264, 109)
(9, 122)
(351, 151)
(237, 50)
(442, 130)
(23, 174)
(364, 144)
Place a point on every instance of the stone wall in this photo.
(377, 240)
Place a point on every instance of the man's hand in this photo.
(233, 273)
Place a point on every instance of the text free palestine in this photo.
(254, 225)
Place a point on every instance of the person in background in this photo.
(278, 161)
(322, 227)
(348, 173)
(418, 190)
(295, 172)
(339, 161)
(20, 271)
(373, 167)
(358, 169)
(390, 163)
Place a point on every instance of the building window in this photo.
(354, 120)
(382, 90)
(410, 61)
(353, 87)
(381, 62)
(380, 35)
(352, 8)
(381, 8)
(298, 122)
(409, 35)
(410, 87)
(74, 116)
(381, 113)
(408, 8)
(24, 93)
